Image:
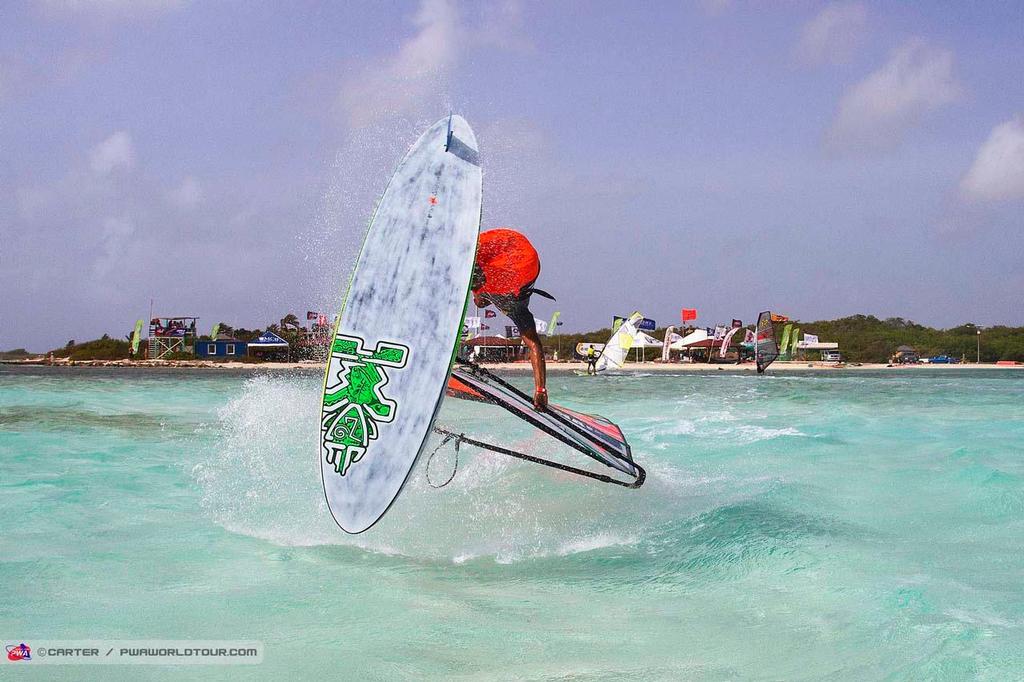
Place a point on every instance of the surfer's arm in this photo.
(540, 372)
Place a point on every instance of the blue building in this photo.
(221, 348)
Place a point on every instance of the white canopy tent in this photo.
(642, 340)
(645, 340)
(693, 337)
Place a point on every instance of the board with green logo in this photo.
(393, 345)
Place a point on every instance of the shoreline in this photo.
(521, 367)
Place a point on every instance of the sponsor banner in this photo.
(786, 331)
(137, 336)
(472, 323)
(645, 324)
(310, 315)
(489, 314)
(725, 342)
(719, 332)
(541, 325)
(737, 323)
(810, 338)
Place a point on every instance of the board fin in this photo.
(453, 145)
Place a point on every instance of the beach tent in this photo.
(495, 347)
(270, 344)
(645, 340)
(690, 339)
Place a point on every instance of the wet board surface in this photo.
(393, 346)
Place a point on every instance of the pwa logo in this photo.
(19, 652)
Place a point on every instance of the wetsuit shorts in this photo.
(516, 307)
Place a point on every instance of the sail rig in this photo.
(623, 337)
(591, 435)
(766, 348)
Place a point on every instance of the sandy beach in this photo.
(524, 367)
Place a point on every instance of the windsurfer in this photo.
(507, 265)
(591, 360)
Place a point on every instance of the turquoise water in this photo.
(833, 526)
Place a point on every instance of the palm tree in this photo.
(289, 320)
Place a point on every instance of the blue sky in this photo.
(819, 159)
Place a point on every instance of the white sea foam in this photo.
(261, 480)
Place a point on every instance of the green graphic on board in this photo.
(354, 407)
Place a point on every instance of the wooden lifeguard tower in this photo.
(169, 335)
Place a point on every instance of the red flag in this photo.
(489, 314)
(689, 314)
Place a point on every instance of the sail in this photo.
(615, 351)
(767, 349)
(214, 331)
(592, 435)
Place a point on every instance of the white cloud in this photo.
(401, 83)
(998, 169)
(833, 34)
(413, 82)
(187, 195)
(113, 153)
(116, 232)
(876, 113)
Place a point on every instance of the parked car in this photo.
(943, 360)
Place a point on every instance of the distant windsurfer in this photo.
(591, 360)
(506, 268)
